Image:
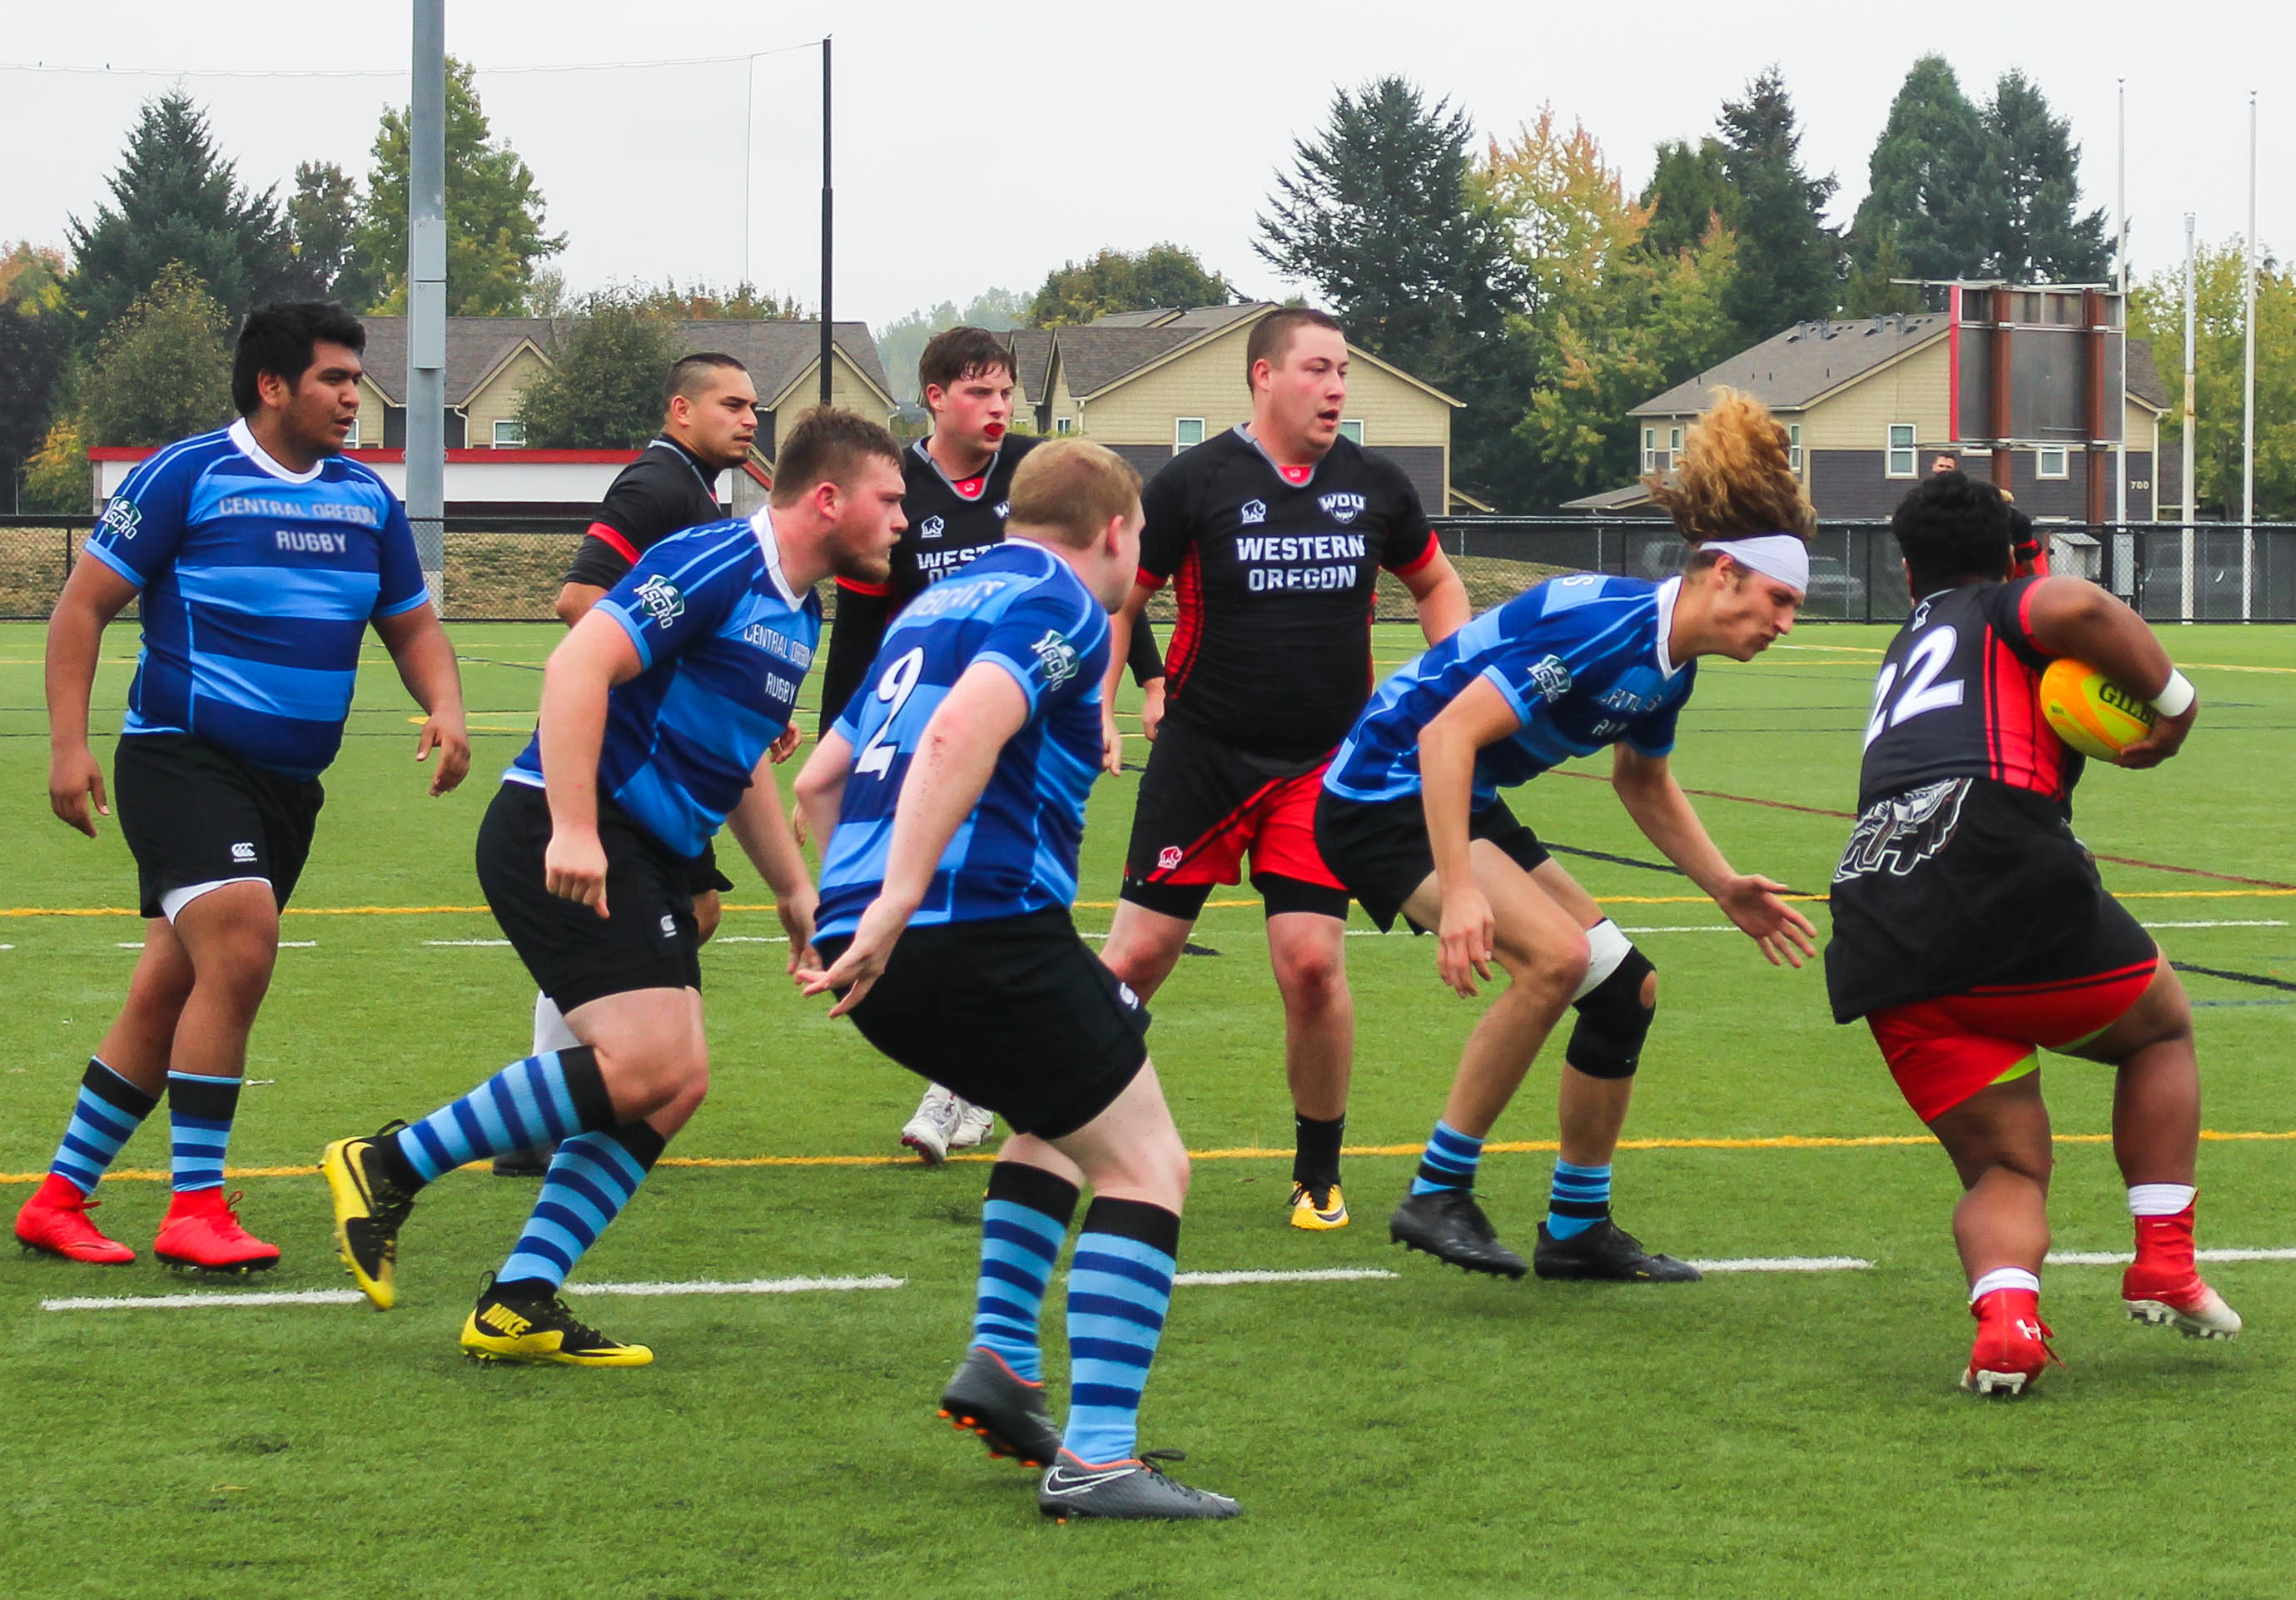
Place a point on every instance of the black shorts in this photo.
(1204, 803)
(194, 813)
(1015, 1013)
(650, 941)
(1380, 848)
(702, 876)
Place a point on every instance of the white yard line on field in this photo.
(2121, 1257)
(469, 944)
(1786, 1263)
(352, 1297)
(1306, 1275)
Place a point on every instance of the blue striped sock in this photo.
(1579, 1199)
(1119, 1289)
(590, 1180)
(1023, 1224)
(538, 1101)
(200, 1110)
(108, 1109)
(1449, 1161)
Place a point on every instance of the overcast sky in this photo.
(974, 151)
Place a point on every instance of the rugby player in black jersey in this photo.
(709, 415)
(1273, 535)
(958, 489)
(1970, 929)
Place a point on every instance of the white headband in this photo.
(1779, 555)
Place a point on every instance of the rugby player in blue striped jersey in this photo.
(261, 555)
(1411, 820)
(659, 711)
(949, 799)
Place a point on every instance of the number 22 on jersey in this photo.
(1918, 691)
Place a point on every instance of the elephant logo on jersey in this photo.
(931, 527)
(122, 517)
(661, 600)
(1551, 677)
(1902, 831)
(1254, 511)
(1168, 858)
(1342, 508)
(1057, 657)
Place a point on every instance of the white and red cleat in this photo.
(2013, 1344)
(2163, 1287)
(202, 1230)
(55, 1222)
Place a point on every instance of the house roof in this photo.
(2143, 374)
(777, 353)
(1032, 354)
(1097, 357)
(1787, 371)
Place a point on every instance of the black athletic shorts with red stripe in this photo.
(1204, 805)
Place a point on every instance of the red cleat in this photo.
(202, 1230)
(2164, 1288)
(55, 1222)
(2013, 1344)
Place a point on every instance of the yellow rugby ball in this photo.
(2090, 712)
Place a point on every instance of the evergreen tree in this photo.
(2038, 235)
(174, 199)
(1874, 288)
(604, 390)
(322, 218)
(1788, 261)
(1935, 181)
(1162, 276)
(163, 371)
(494, 241)
(1378, 213)
(1689, 192)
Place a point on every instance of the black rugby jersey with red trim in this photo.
(666, 490)
(1275, 571)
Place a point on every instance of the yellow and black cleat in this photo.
(541, 1331)
(369, 1211)
(1318, 1213)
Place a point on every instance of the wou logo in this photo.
(1342, 508)
(661, 600)
(1254, 511)
(931, 527)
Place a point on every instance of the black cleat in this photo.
(1609, 1252)
(525, 1163)
(1136, 1489)
(539, 1329)
(370, 1208)
(1449, 1225)
(988, 1398)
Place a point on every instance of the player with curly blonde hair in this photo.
(1411, 820)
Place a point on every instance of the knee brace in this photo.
(1607, 1040)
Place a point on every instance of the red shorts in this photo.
(1202, 806)
(1943, 1051)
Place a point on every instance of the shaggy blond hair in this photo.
(1734, 478)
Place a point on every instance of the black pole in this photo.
(827, 234)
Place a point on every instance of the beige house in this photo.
(1149, 385)
(490, 361)
(1868, 408)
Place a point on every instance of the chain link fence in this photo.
(509, 569)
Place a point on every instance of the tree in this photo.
(900, 342)
(605, 393)
(1115, 280)
(2157, 312)
(1874, 288)
(163, 371)
(494, 212)
(174, 199)
(2037, 234)
(1688, 193)
(1379, 214)
(700, 302)
(323, 218)
(1936, 188)
(34, 340)
(1788, 259)
(57, 477)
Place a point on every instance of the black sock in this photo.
(1316, 1160)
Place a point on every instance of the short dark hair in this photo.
(277, 339)
(825, 447)
(689, 375)
(954, 354)
(1952, 528)
(1272, 335)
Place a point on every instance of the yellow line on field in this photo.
(1253, 1152)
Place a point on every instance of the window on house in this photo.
(1064, 425)
(2050, 462)
(1900, 464)
(510, 435)
(351, 439)
(1351, 429)
(1187, 432)
(1673, 445)
(1793, 446)
(1650, 449)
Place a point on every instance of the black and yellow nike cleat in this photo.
(370, 1208)
(541, 1330)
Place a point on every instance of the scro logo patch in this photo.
(662, 602)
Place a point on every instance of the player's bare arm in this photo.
(1120, 624)
(1441, 597)
(2073, 617)
(592, 659)
(1479, 717)
(92, 597)
(820, 789)
(425, 659)
(764, 835)
(956, 756)
(1646, 788)
(575, 600)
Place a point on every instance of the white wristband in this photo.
(2176, 698)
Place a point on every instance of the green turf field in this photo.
(1758, 1434)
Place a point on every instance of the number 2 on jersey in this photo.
(895, 687)
(1920, 691)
